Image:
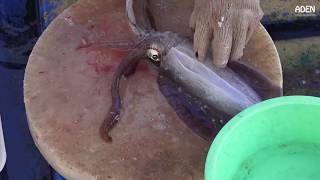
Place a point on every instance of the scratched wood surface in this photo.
(67, 97)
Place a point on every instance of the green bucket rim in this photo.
(238, 119)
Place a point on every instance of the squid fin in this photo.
(265, 88)
(190, 112)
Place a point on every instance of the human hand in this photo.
(227, 24)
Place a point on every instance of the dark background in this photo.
(19, 29)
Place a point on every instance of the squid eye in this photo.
(153, 55)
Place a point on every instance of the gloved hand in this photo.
(227, 24)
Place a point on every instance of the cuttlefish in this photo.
(204, 97)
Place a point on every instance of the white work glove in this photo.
(227, 24)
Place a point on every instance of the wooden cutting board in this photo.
(67, 97)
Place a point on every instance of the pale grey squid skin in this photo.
(220, 93)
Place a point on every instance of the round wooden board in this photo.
(67, 97)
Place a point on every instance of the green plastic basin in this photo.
(278, 139)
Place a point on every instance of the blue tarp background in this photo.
(18, 33)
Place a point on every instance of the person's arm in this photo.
(227, 25)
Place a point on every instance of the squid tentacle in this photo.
(113, 116)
